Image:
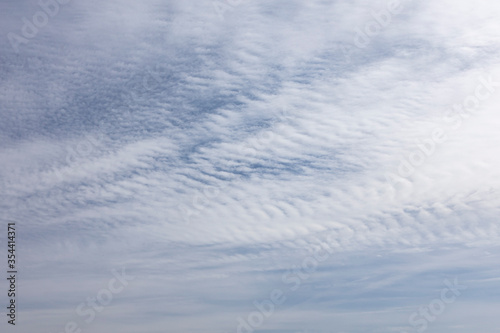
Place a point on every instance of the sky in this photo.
(319, 166)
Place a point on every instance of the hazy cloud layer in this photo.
(209, 147)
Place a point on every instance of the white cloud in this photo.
(188, 148)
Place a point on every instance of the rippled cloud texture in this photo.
(252, 166)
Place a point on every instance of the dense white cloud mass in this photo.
(272, 166)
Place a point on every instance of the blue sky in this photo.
(333, 162)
